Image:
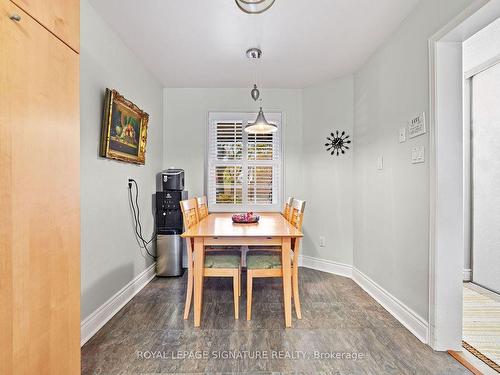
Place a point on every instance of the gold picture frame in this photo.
(124, 130)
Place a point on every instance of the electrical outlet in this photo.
(322, 241)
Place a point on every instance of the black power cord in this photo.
(137, 217)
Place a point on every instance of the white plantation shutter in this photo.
(244, 170)
(229, 140)
(226, 162)
(264, 167)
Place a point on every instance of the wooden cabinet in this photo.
(39, 199)
(60, 17)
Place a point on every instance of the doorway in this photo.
(481, 289)
(450, 233)
(485, 176)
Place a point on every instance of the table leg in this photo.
(199, 260)
(287, 279)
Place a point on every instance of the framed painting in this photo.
(124, 130)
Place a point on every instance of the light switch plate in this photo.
(322, 241)
(380, 163)
(418, 155)
(402, 135)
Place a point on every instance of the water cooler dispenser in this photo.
(169, 224)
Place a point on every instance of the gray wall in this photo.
(186, 116)
(328, 179)
(186, 121)
(110, 255)
(310, 173)
(391, 206)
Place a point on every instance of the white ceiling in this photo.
(202, 43)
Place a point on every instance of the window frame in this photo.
(245, 117)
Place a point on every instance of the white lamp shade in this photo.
(260, 126)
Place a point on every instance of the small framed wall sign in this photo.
(416, 126)
(124, 130)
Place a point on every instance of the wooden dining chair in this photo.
(202, 207)
(219, 264)
(262, 263)
(286, 214)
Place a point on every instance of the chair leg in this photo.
(243, 251)
(295, 290)
(249, 294)
(236, 288)
(189, 294)
(239, 281)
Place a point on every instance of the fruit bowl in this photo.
(246, 218)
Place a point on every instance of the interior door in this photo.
(486, 178)
(39, 199)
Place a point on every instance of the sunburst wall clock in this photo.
(337, 143)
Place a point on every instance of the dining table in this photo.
(218, 229)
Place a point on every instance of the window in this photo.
(244, 170)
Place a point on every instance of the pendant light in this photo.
(260, 126)
(254, 6)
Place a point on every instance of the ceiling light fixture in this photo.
(254, 6)
(260, 125)
(254, 53)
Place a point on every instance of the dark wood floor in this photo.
(147, 335)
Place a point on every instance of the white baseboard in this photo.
(95, 321)
(324, 265)
(409, 318)
(467, 274)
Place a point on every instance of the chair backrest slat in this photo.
(297, 213)
(202, 207)
(287, 209)
(296, 218)
(189, 210)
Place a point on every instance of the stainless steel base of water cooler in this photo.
(169, 248)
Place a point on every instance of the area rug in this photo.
(481, 325)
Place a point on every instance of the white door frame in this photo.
(448, 216)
